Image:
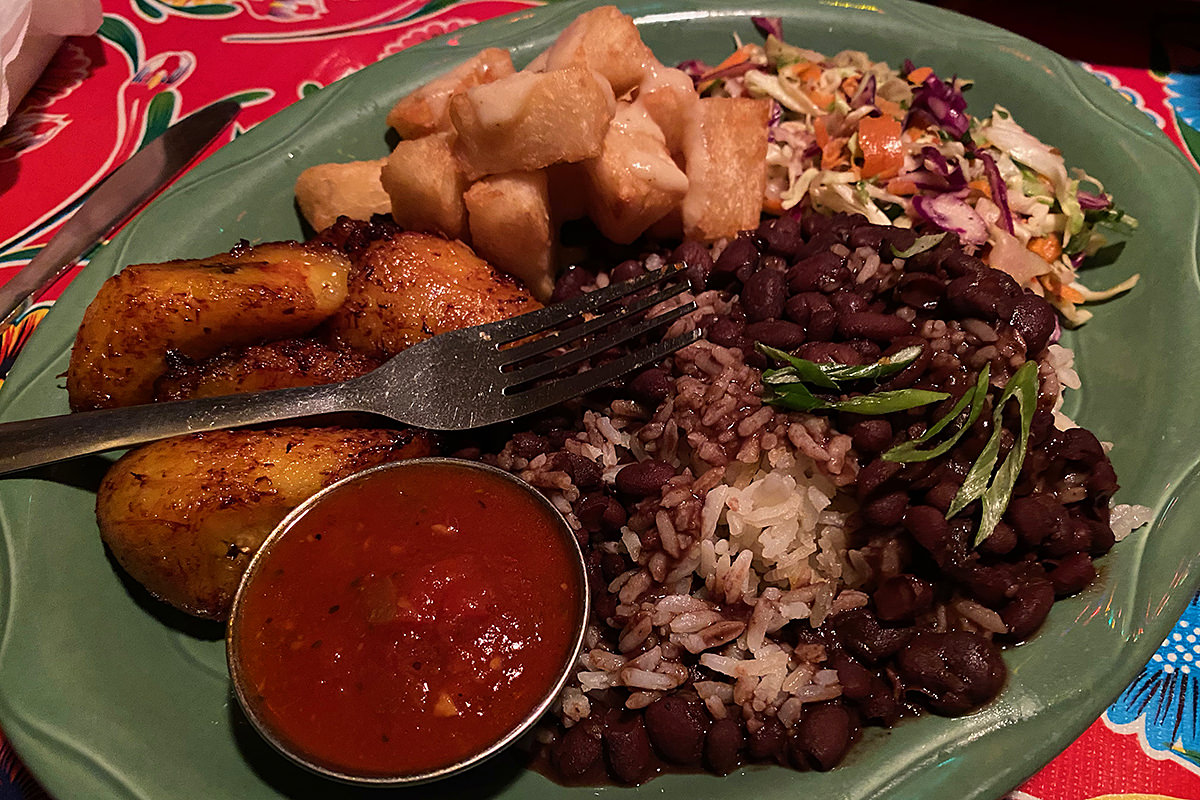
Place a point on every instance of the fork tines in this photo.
(623, 317)
(543, 320)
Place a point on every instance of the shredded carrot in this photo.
(981, 186)
(812, 74)
(820, 99)
(901, 186)
(889, 108)
(850, 86)
(1062, 290)
(773, 205)
(738, 56)
(879, 140)
(821, 131)
(795, 70)
(1047, 247)
(834, 154)
(919, 74)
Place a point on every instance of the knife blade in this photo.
(118, 195)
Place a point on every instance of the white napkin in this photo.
(30, 32)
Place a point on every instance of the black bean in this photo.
(612, 565)
(1102, 480)
(853, 676)
(979, 294)
(627, 270)
(577, 752)
(778, 333)
(991, 585)
(847, 302)
(726, 332)
(871, 436)
(1033, 318)
(954, 261)
(875, 475)
(723, 745)
(823, 735)
(598, 512)
(571, 282)
(645, 478)
(763, 296)
(942, 495)
(769, 742)
(737, 255)
(584, 472)
(628, 749)
(867, 236)
(929, 527)
(782, 236)
(799, 308)
(677, 726)
(902, 597)
(832, 353)
(1073, 574)
(872, 325)
(822, 324)
(920, 290)
(1028, 610)
(1074, 537)
(1002, 540)
(951, 672)
(823, 272)
(652, 385)
(897, 240)
(1103, 538)
(529, 445)
(1035, 517)
(886, 510)
(698, 261)
(862, 634)
(1081, 445)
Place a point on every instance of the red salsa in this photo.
(409, 620)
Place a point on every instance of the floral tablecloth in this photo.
(155, 61)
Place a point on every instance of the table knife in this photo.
(121, 193)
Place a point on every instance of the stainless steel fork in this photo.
(458, 380)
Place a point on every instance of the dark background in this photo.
(1162, 35)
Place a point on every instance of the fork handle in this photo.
(35, 442)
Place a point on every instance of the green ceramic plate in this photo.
(106, 695)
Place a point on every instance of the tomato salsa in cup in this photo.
(408, 621)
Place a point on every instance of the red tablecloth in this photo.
(155, 61)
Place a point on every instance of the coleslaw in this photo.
(852, 135)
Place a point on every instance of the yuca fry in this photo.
(530, 120)
(426, 110)
(511, 229)
(425, 186)
(634, 182)
(327, 191)
(725, 149)
(605, 40)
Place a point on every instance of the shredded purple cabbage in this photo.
(732, 71)
(939, 101)
(1093, 201)
(952, 214)
(769, 26)
(694, 69)
(999, 190)
(865, 96)
(936, 165)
